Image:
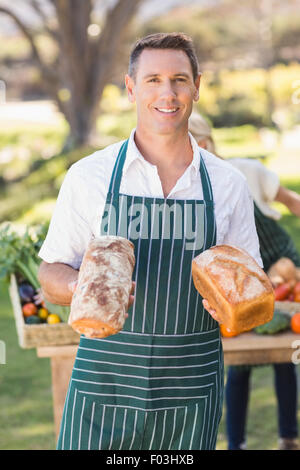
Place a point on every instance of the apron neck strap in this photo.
(205, 181)
(115, 181)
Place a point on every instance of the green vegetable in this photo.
(19, 252)
(33, 320)
(280, 322)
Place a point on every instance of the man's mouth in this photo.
(167, 110)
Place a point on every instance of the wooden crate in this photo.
(32, 336)
(288, 307)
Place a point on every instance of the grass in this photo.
(26, 414)
(262, 429)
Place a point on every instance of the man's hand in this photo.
(72, 287)
(131, 297)
(210, 310)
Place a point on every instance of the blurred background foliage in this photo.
(250, 92)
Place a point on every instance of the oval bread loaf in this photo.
(235, 286)
(101, 298)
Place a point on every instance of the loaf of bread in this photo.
(235, 286)
(100, 301)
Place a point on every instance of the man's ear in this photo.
(130, 85)
(197, 87)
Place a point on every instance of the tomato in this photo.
(297, 297)
(29, 309)
(226, 332)
(295, 322)
(296, 289)
(281, 292)
(291, 297)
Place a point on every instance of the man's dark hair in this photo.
(177, 41)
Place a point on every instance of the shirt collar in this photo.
(134, 154)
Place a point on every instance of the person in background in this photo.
(275, 243)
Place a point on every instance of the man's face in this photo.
(163, 90)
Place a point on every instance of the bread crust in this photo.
(100, 301)
(93, 328)
(235, 286)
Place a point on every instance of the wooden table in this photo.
(248, 348)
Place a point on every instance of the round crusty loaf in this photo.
(100, 301)
(235, 286)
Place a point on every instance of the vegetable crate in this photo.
(287, 306)
(32, 336)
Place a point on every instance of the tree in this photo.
(84, 62)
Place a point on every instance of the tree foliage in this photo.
(85, 54)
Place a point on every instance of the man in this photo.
(158, 384)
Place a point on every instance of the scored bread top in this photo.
(236, 274)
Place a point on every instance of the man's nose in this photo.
(168, 89)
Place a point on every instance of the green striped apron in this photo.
(158, 384)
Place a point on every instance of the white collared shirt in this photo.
(263, 184)
(81, 200)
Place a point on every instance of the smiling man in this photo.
(158, 384)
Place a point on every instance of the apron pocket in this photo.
(180, 428)
(98, 426)
(108, 427)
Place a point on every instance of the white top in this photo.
(263, 184)
(80, 203)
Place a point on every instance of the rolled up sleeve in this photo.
(69, 232)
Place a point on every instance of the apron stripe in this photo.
(169, 277)
(73, 409)
(64, 419)
(80, 427)
(190, 281)
(182, 377)
(183, 429)
(115, 179)
(173, 430)
(123, 428)
(159, 268)
(154, 430)
(164, 429)
(134, 430)
(194, 426)
(137, 268)
(179, 292)
(203, 425)
(91, 426)
(151, 367)
(147, 277)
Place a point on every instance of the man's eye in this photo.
(181, 79)
(153, 80)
